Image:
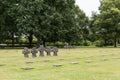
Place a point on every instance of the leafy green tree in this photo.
(49, 23)
(97, 32)
(70, 30)
(2, 20)
(110, 18)
(82, 24)
(106, 25)
(8, 29)
(58, 22)
(47, 20)
(27, 18)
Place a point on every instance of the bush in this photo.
(99, 43)
(60, 44)
(87, 43)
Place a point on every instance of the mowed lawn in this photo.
(93, 64)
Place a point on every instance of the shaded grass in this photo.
(97, 69)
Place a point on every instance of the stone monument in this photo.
(26, 52)
(41, 49)
(48, 50)
(55, 50)
(34, 51)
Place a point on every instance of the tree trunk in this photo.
(38, 42)
(105, 42)
(44, 43)
(30, 38)
(115, 41)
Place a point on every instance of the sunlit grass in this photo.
(104, 65)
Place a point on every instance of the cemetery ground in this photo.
(76, 64)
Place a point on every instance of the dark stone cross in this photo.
(41, 49)
(48, 50)
(34, 51)
(55, 50)
(26, 52)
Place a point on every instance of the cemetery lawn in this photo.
(93, 64)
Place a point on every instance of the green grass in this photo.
(98, 69)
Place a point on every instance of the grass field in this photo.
(93, 64)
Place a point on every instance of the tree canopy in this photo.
(107, 23)
(59, 21)
(47, 20)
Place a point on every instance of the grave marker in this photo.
(34, 51)
(26, 52)
(55, 51)
(48, 50)
(41, 49)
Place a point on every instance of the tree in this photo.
(8, 27)
(70, 31)
(110, 18)
(57, 21)
(82, 23)
(27, 19)
(2, 20)
(47, 20)
(98, 33)
(49, 23)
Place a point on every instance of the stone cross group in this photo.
(68, 47)
(41, 51)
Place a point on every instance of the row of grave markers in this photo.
(41, 50)
(58, 65)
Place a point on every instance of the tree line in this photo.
(58, 21)
(105, 26)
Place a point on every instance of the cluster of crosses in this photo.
(69, 47)
(41, 50)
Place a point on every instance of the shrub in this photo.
(99, 43)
